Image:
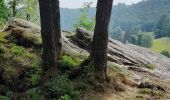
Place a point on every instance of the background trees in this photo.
(147, 40)
(163, 27)
(116, 33)
(84, 20)
(13, 4)
(127, 37)
(30, 7)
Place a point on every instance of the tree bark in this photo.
(56, 26)
(47, 33)
(100, 39)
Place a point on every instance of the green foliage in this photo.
(34, 74)
(68, 62)
(163, 27)
(3, 12)
(84, 20)
(133, 39)
(60, 87)
(116, 33)
(21, 56)
(30, 7)
(33, 94)
(16, 59)
(13, 56)
(65, 97)
(17, 51)
(4, 98)
(2, 50)
(127, 37)
(139, 39)
(165, 53)
(142, 16)
(147, 40)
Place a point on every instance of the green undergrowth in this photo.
(69, 61)
(61, 88)
(58, 87)
(17, 61)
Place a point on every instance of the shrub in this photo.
(65, 97)
(33, 94)
(84, 20)
(147, 40)
(17, 51)
(165, 53)
(61, 88)
(34, 74)
(4, 98)
(68, 62)
(2, 49)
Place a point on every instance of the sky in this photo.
(79, 3)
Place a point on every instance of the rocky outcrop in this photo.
(28, 34)
(79, 45)
(128, 55)
(117, 52)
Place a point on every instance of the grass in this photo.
(16, 59)
(150, 66)
(152, 92)
(161, 44)
(68, 62)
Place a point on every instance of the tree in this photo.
(116, 33)
(56, 26)
(127, 37)
(51, 35)
(133, 39)
(163, 27)
(29, 7)
(139, 39)
(100, 39)
(147, 40)
(13, 4)
(84, 20)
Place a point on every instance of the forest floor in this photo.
(21, 66)
(135, 93)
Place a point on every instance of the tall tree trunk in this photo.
(14, 11)
(47, 33)
(56, 26)
(100, 39)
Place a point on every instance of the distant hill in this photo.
(143, 15)
(161, 44)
